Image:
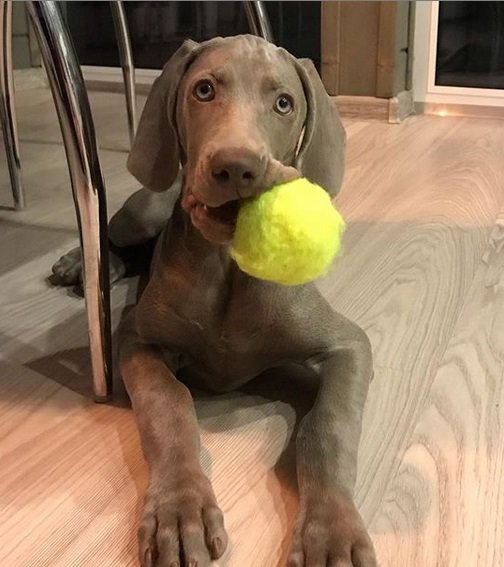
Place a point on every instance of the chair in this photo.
(77, 128)
(7, 106)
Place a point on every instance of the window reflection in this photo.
(158, 28)
(470, 49)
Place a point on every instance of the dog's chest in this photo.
(217, 317)
(224, 325)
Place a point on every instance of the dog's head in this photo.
(239, 115)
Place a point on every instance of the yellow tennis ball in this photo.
(290, 234)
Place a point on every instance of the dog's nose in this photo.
(236, 167)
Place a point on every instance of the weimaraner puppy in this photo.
(235, 116)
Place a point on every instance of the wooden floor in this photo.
(422, 273)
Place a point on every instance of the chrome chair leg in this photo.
(7, 105)
(258, 19)
(77, 128)
(127, 65)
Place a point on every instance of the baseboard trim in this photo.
(392, 110)
(462, 110)
(401, 106)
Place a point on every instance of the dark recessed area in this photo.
(158, 28)
(470, 51)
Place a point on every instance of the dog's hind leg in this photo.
(133, 231)
(143, 216)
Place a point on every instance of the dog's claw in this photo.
(217, 547)
(148, 558)
(296, 559)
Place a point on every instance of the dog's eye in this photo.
(204, 91)
(284, 104)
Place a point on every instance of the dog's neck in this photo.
(185, 236)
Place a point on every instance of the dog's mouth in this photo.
(216, 224)
(225, 214)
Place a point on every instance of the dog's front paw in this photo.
(182, 526)
(330, 533)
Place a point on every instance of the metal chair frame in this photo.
(77, 129)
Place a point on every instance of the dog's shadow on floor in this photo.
(287, 391)
(292, 385)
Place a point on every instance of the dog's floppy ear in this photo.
(322, 152)
(154, 158)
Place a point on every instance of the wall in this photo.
(20, 37)
(421, 50)
(365, 48)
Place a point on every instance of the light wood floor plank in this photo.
(445, 505)
(421, 272)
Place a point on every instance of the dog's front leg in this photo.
(181, 524)
(329, 531)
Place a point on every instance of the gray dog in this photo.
(239, 114)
